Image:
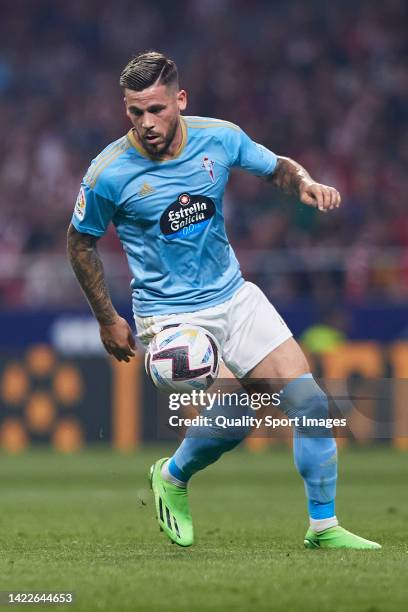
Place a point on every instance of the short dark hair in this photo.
(148, 68)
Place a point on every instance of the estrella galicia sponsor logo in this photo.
(187, 216)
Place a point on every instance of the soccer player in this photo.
(162, 186)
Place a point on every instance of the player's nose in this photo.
(148, 121)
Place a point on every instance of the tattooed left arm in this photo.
(293, 179)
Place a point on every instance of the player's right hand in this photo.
(118, 340)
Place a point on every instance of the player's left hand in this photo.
(320, 196)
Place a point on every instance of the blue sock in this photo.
(314, 448)
(202, 446)
(195, 454)
(321, 510)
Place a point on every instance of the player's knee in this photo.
(304, 398)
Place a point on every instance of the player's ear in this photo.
(126, 108)
(182, 99)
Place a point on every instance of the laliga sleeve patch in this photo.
(80, 205)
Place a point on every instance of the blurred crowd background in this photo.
(323, 82)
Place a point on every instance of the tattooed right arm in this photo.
(88, 268)
(116, 335)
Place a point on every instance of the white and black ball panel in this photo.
(181, 358)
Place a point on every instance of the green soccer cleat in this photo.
(172, 510)
(337, 537)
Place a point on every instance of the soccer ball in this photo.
(181, 358)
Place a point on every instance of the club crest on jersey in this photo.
(80, 205)
(187, 216)
(208, 165)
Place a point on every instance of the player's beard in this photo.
(162, 148)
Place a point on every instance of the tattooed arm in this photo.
(293, 179)
(115, 332)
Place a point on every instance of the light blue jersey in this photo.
(168, 214)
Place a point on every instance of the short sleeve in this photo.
(92, 212)
(251, 156)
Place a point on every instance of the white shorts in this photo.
(247, 327)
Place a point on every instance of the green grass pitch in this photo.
(85, 523)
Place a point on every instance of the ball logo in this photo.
(188, 215)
